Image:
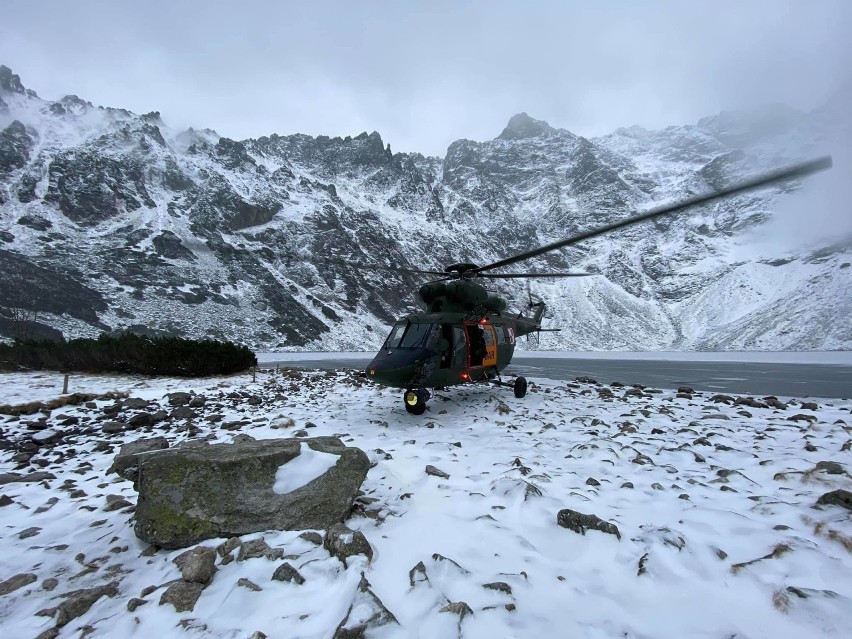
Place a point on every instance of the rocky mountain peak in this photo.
(189, 233)
(523, 126)
(10, 82)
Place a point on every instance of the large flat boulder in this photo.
(187, 495)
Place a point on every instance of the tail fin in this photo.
(539, 312)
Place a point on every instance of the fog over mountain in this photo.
(111, 220)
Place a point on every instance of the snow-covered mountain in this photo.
(111, 220)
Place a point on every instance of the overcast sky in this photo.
(424, 74)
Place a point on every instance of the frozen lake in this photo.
(808, 374)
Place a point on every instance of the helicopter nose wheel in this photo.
(520, 387)
(415, 401)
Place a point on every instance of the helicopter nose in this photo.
(396, 367)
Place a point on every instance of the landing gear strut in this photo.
(415, 400)
(519, 385)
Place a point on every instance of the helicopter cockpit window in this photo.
(396, 334)
(419, 336)
(406, 334)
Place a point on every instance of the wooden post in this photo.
(254, 374)
(65, 385)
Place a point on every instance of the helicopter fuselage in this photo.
(435, 350)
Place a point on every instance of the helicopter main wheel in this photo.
(520, 387)
(415, 401)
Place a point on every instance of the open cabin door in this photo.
(482, 345)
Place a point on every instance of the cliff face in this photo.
(112, 220)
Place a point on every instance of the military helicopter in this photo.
(465, 334)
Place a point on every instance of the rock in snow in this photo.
(190, 494)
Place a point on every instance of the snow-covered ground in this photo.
(696, 488)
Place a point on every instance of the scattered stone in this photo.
(342, 542)
(437, 557)
(366, 613)
(258, 548)
(459, 608)
(809, 406)
(29, 532)
(839, 497)
(182, 595)
(642, 561)
(642, 459)
(197, 565)
(830, 467)
(140, 420)
(10, 478)
(18, 581)
(749, 401)
(5, 500)
(417, 574)
(50, 503)
(657, 486)
(591, 481)
(183, 412)
(229, 546)
(500, 586)
(113, 428)
(135, 403)
(431, 470)
(627, 484)
(147, 590)
(286, 572)
(313, 537)
(179, 399)
(116, 504)
(78, 602)
(580, 523)
(247, 583)
(49, 584)
(134, 603)
(779, 551)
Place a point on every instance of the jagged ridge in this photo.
(258, 241)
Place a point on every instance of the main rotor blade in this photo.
(375, 267)
(511, 276)
(796, 171)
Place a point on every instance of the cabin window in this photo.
(445, 348)
(459, 348)
(488, 337)
(501, 334)
(419, 335)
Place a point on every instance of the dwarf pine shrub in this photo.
(129, 353)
